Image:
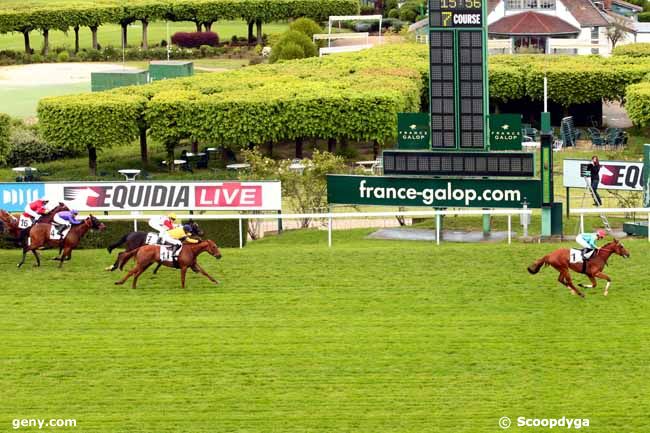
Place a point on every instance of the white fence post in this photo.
(509, 229)
(329, 230)
(582, 223)
(241, 235)
(437, 229)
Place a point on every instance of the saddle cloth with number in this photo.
(54, 233)
(166, 253)
(152, 239)
(576, 256)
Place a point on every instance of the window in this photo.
(529, 4)
(595, 34)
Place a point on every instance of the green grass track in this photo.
(369, 336)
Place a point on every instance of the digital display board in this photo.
(442, 88)
(456, 13)
(479, 164)
(470, 71)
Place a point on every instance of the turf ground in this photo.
(370, 336)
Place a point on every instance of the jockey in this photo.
(36, 209)
(176, 237)
(588, 242)
(65, 219)
(163, 223)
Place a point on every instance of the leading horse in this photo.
(149, 254)
(39, 238)
(560, 260)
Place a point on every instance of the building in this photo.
(558, 26)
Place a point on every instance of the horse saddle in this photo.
(152, 239)
(166, 253)
(25, 222)
(576, 256)
(54, 232)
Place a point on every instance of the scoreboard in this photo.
(458, 74)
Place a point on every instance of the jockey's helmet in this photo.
(601, 233)
(172, 216)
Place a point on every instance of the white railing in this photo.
(330, 216)
(605, 211)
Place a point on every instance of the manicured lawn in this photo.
(370, 336)
(109, 34)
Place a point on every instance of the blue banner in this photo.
(14, 196)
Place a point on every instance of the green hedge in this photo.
(638, 103)
(633, 50)
(15, 16)
(224, 232)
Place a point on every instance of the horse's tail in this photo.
(118, 243)
(537, 265)
(125, 256)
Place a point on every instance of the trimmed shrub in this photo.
(27, 147)
(306, 26)
(644, 17)
(638, 103)
(632, 50)
(63, 57)
(5, 123)
(393, 13)
(409, 12)
(367, 10)
(289, 41)
(195, 39)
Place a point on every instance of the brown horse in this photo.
(559, 259)
(39, 238)
(11, 226)
(147, 255)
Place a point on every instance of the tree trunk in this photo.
(379, 6)
(208, 26)
(259, 32)
(145, 34)
(170, 155)
(76, 39)
(46, 41)
(331, 145)
(144, 157)
(125, 35)
(270, 149)
(299, 148)
(92, 161)
(344, 143)
(195, 146)
(251, 36)
(198, 26)
(28, 48)
(376, 148)
(93, 30)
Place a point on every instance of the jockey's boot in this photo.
(175, 249)
(585, 254)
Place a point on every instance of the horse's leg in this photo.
(183, 273)
(135, 269)
(569, 283)
(66, 255)
(137, 275)
(22, 262)
(116, 264)
(155, 271)
(604, 277)
(197, 268)
(38, 258)
(593, 283)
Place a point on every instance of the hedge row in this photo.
(15, 17)
(356, 96)
(224, 232)
(638, 103)
(641, 49)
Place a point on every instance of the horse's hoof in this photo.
(606, 293)
(109, 268)
(118, 283)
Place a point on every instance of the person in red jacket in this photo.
(36, 209)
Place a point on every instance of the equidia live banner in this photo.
(419, 191)
(614, 175)
(147, 196)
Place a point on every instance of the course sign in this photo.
(401, 191)
(149, 196)
(614, 175)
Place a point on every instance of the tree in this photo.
(618, 30)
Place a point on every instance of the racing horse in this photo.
(135, 240)
(39, 238)
(20, 235)
(9, 225)
(147, 255)
(560, 260)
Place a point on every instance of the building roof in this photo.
(531, 23)
(492, 5)
(586, 13)
(628, 5)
